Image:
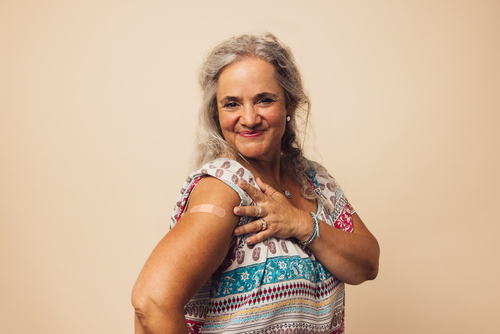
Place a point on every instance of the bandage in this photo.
(209, 208)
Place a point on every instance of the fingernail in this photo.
(237, 210)
(236, 231)
(242, 182)
(248, 241)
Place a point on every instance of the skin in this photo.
(252, 110)
(252, 115)
(184, 260)
(351, 257)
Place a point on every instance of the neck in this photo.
(270, 170)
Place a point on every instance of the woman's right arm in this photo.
(183, 260)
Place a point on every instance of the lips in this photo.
(251, 134)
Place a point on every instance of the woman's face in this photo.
(252, 108)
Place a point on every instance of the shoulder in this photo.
(335, 198)
(319, 169)
(217, 195)
(323, 179)
(217, 180)
(226, 170)
(230, 172)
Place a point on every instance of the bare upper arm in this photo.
(192, 250)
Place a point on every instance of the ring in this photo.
(264, 225)
(260, 211)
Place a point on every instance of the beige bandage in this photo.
(209, 208)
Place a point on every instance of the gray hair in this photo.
(211, 143)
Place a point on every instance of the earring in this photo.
(288, 118)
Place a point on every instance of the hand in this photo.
(282, 218)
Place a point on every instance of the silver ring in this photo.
(264, 225)
(260, 211)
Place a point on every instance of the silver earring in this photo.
(288, 118)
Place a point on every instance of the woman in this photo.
(262, 239)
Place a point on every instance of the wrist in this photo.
(314, 232)
(306, 226)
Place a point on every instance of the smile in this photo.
(251, 134)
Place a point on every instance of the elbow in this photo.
(138, 297)
(366, 272)
(147, 310)
(150, 317)
(371, 268)
(372, 273)
(154, 311)
(142, 306)
(367, 275)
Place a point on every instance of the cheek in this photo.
(226, 122)
(276, 118)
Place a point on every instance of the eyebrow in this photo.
(267, 94)
(226, 99)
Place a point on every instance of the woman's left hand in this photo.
(283, 220)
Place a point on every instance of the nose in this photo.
(250, 116)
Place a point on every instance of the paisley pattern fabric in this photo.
(274, 286)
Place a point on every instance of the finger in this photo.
(252, 227)
(254, 193)
(249, 211)
(266, 188)
(259, 237)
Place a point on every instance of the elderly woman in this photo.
(262, 239)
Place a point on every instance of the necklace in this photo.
(286, 192)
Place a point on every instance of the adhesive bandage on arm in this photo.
(209, 208)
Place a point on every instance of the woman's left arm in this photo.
(351, 257)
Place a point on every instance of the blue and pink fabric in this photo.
(274, 286)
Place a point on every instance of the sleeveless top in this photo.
(273, 286)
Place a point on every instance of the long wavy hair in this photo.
(211, 143)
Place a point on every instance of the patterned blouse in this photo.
(273, 286)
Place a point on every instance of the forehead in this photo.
(249, 76)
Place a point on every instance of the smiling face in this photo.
(252, 108)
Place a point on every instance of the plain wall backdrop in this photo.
(98, 105)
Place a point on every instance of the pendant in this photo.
(287, 194)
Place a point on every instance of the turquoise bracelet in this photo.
(314, 233)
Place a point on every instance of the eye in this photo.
(266, 100)
(230, 105)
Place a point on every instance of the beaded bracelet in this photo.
(314, 233)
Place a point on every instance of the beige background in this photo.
(98, 101)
